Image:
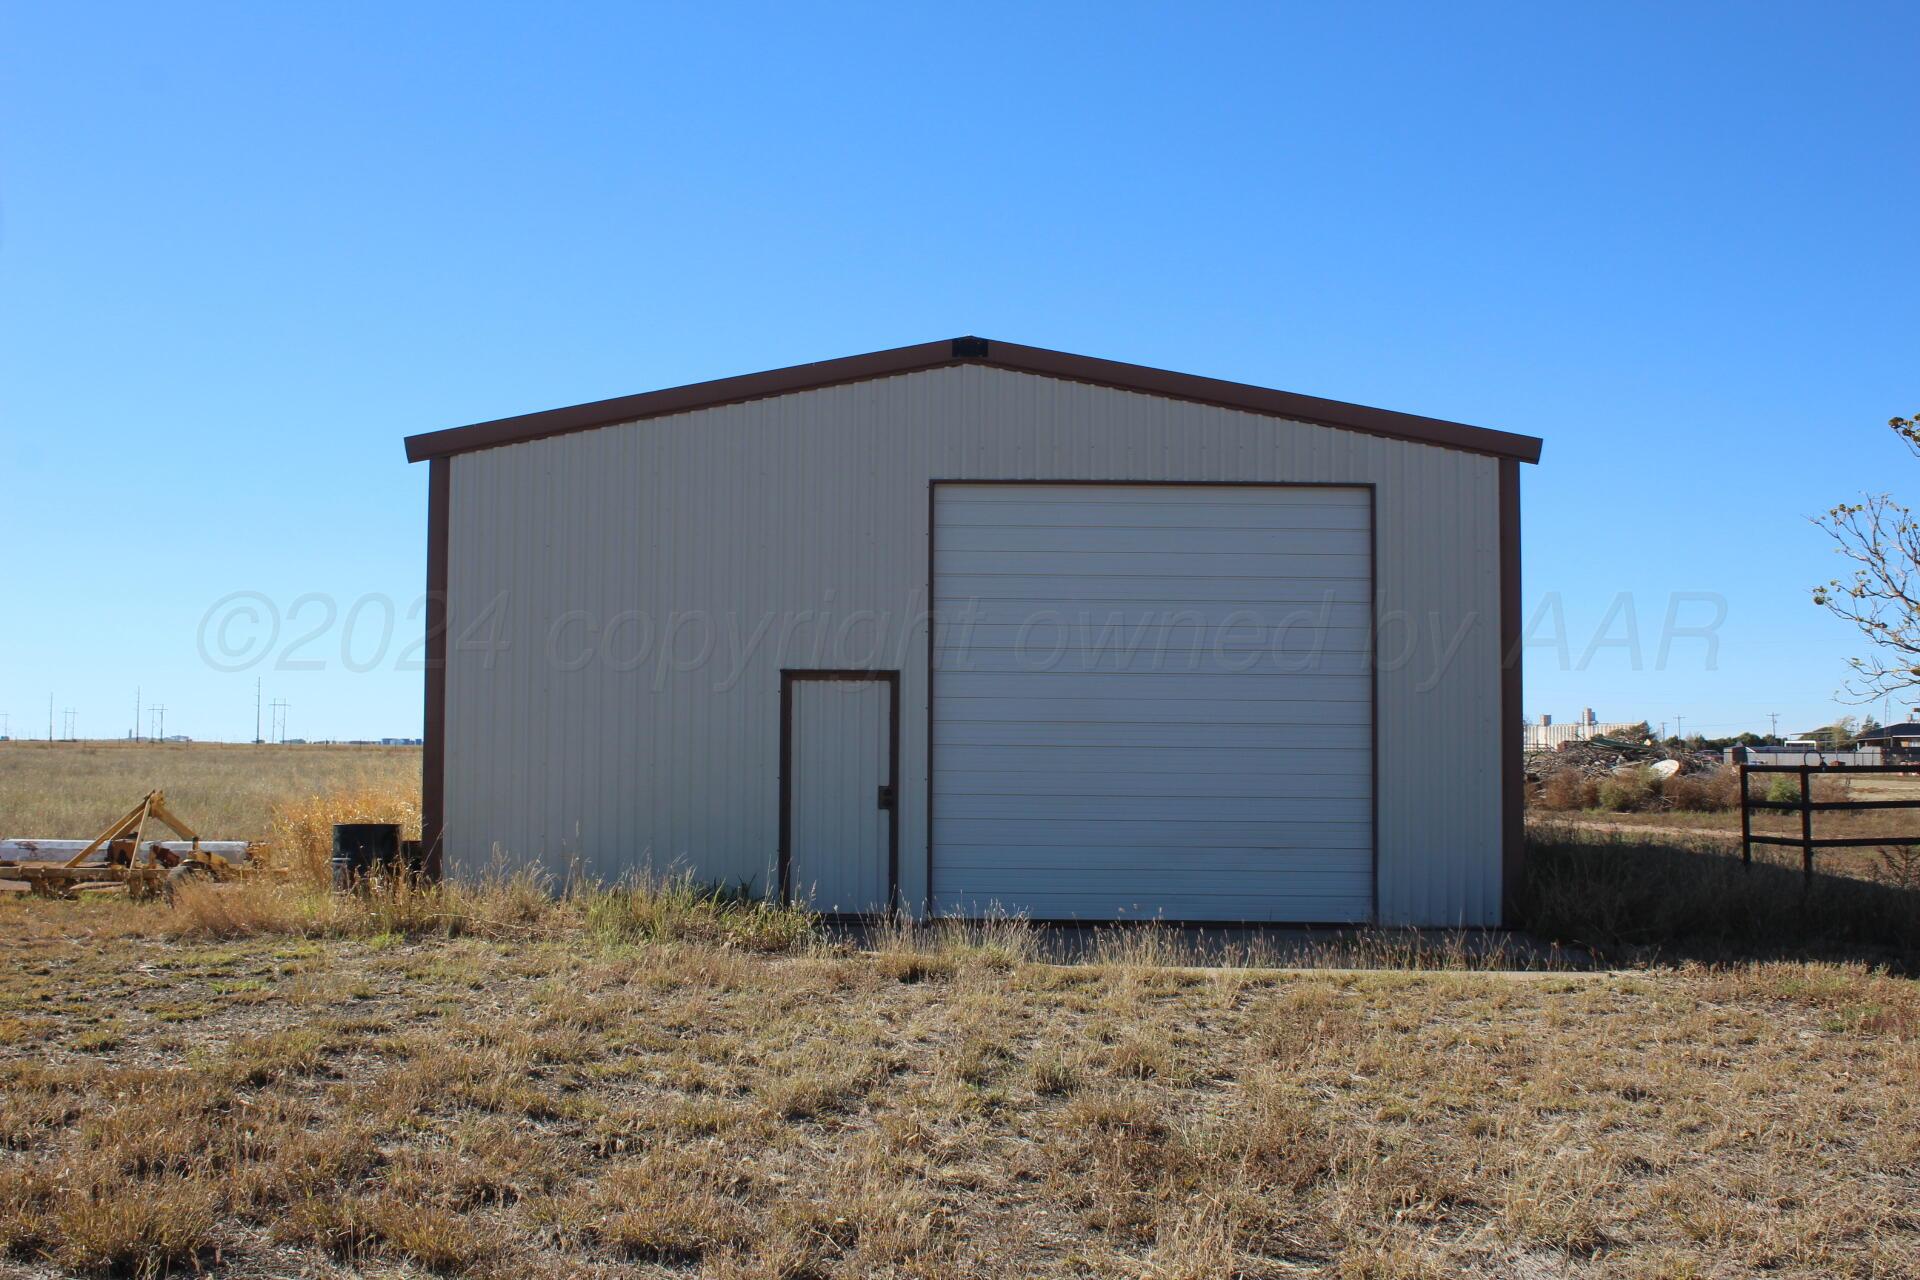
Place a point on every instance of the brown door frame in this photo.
(788, 678)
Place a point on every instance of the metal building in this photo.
(972, 627)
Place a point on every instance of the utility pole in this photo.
(66, 723)
(256, 711)
(1773, 718)
(49, 717)
(1679, 726)
(159, 713)
(279, 708)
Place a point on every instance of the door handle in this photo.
(885, 798)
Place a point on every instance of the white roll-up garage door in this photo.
(1153, 701)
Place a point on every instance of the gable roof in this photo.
(969, 350)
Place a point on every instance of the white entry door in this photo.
(839, 802)
(1153, 701)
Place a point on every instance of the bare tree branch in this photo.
(1880, 594)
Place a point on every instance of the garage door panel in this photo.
(1186, 832)
(1192, 712)
(1043, 658)
(1224, 907)
(1067, 543)
(1231, 630)
(1098, 754)
(1207, 565)
(1098, 618)
(1166, 880)
(1196, 739)
(1104, 811)
(1146, 890)
(1233, 784)
(1224, 859)
(954, 591)
(1103, 756)
(1277, 687)
(962, 516)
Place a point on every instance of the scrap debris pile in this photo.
(1598, 756)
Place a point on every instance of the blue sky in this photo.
(245, 249)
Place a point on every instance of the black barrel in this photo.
(362, 848)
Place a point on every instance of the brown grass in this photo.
(1707, 804)
(1896, 863)
(1637, 790)
(655, 1078)
(496, 1081)
(71, 790)
(1631, 898)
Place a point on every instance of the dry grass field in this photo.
(491, 1083)
(1720, 1078)
(1897, 863)
(1883, 787)
(71, 790)
(1894, 863)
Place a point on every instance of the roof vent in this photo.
(969, 348)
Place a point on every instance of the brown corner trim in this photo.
(433, 751)
(970, 350)
(1513, 777)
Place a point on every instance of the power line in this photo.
(158, 712)
(279, 708)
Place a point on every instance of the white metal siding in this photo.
(838, 831)
(793, 532)
(1095, 638)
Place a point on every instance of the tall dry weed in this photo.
(1638, 790)
(301, 829)
(675, 908)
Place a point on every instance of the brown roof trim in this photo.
(1004, 355)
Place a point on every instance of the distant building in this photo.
(1898, 740)
(1546, 735)
(1799, 751)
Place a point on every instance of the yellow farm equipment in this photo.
(122, 859)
